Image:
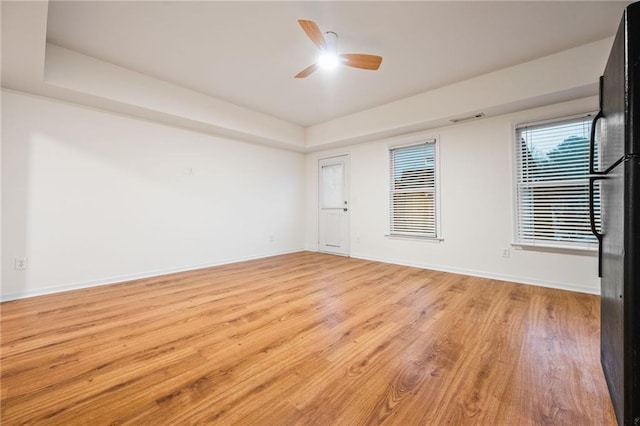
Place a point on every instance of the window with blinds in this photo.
(552, 187)
(412, 197)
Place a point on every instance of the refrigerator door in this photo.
(632, 145)
(612, 328)
(632, 287)
(612, 100)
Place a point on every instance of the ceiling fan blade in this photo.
(308, 70)
(314, 33)
(359, 60)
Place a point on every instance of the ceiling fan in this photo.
(329, 57)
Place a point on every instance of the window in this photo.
(552, 186)
(412, 196)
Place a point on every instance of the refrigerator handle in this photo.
(592, 138)
(592, 220)
(599, 175)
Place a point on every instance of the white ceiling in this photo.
(248, 52)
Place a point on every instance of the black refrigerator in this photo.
(615, 174)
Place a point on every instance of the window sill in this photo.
(414, 237)
(563, 249)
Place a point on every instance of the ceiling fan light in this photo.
(328, 60)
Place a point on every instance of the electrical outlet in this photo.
(21, 263)
(506, 252)
(272, 238)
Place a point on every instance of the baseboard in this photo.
(129, 277)
(148, 274)
(484, 274)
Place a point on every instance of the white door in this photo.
(333, 214)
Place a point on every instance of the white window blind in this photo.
(412, 195)
(553, 184)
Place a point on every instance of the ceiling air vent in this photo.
(470, 117)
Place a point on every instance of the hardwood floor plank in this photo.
(304, 339)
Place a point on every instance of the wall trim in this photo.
(484, 274)
(118, 279)
(148, 274)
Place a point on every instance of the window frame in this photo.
(576, 247)
(409, 142)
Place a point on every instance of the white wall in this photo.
(476, 183)
(92, 197)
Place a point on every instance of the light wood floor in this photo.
(307, 339)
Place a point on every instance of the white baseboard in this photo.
(129, 277)
(484, 274)
(148, 274)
